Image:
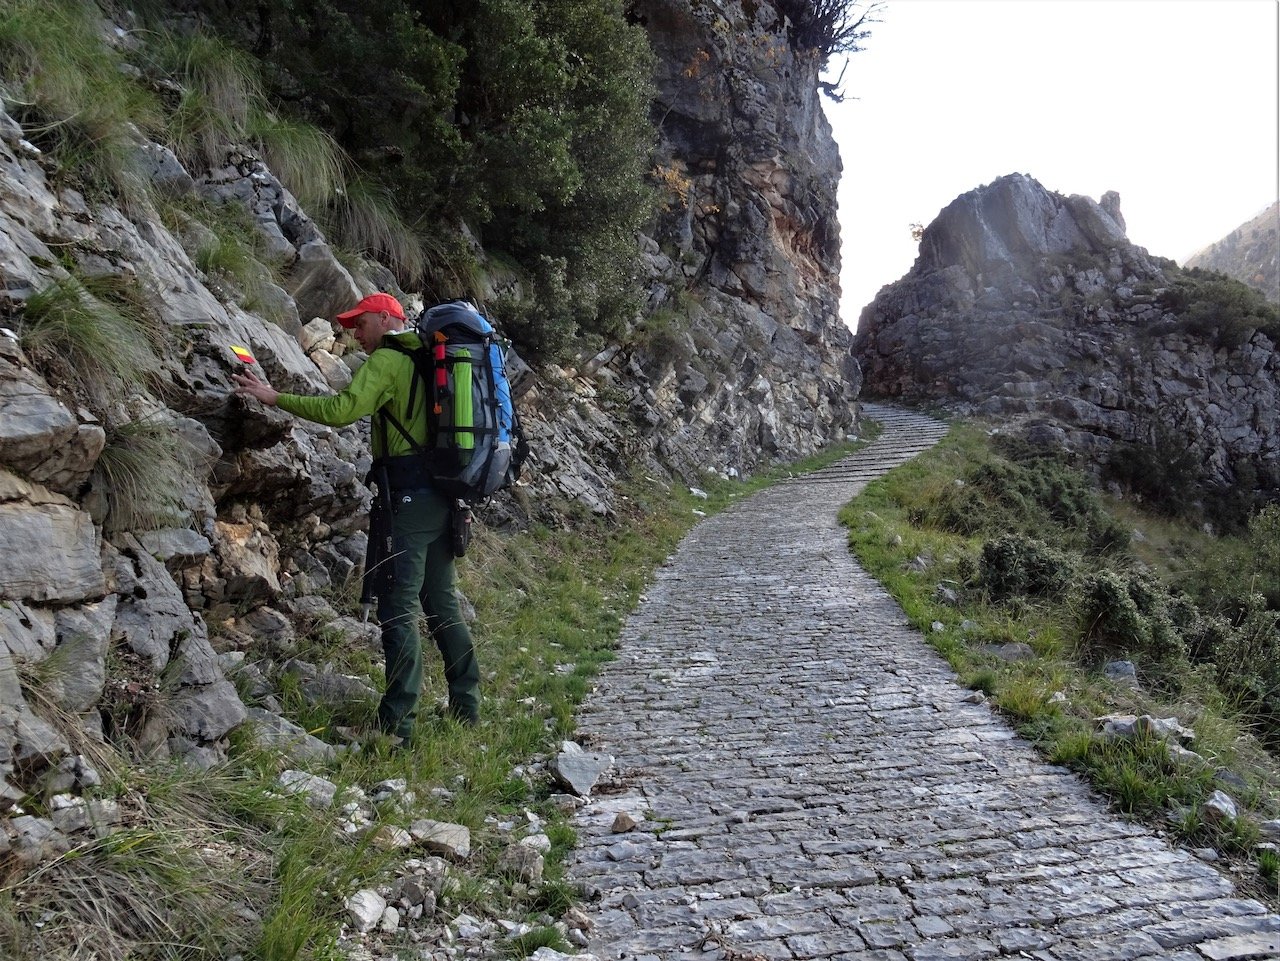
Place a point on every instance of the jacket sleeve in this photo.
(370, 388)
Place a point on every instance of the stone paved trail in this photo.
(814, 784)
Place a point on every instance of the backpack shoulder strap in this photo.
(384, 414)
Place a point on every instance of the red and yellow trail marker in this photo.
(243, 354)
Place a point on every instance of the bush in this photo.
(541, 321)
(1014, 565)
(1264, 548)
(828, 26)
(1248, 658)
(529, 122)
(1127, 613)
(1224, 577)
(1034, 497)
(1219, 309)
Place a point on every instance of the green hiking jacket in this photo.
(384, 378)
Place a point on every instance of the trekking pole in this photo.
(379, 548)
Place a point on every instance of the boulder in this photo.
(320, 285)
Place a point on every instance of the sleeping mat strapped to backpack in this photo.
(474, 445)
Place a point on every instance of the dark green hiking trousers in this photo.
(422, 580)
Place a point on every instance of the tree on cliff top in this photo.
(829, 26)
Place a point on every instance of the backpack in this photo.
(474, 443)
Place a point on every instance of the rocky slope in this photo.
(744, 361)
(1250, 253)
(1035, 308)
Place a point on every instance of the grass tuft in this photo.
(221, 87)
(96, 334)
(144, 471)
(363, 216)
(306, 159)
(524, 945)
(67, 87)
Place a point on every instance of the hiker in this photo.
(407, 511)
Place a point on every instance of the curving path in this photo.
(812, 782)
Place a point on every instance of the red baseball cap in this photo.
(373, 304)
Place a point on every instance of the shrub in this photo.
(664, 335)
(1164, 471)
(1233, 568)
(1219, 309)
(1015, 565)
(1207, 636)
(1264, 548)
(1127, 613)
(527, 121)
(828, 26)
(542, 321)
(1034, 496)
(1247, 662)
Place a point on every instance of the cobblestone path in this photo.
(812, 783)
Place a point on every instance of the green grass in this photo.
(522, 946)
(953, 502)
(307, 160)
(222, 102)
(220, 88)
(363, 216)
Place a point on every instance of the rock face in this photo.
(1034, 307)
(1250, 253)
(757, 364)
(742, 358)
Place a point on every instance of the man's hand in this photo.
(249, 386)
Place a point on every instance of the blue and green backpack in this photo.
(474, 444)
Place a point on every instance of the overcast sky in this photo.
(1172, 103)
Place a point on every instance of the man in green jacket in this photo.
(420, 570)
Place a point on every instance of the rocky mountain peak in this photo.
(1008, 227)
(1035, 308)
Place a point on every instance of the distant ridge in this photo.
(1250, 253)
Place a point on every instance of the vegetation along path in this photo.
(811, 781)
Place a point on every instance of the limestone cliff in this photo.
(1034, 308)
(1250, 253)
(744, 356)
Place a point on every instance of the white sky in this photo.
(1172, 103)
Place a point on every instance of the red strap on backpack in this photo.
(442, 374)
